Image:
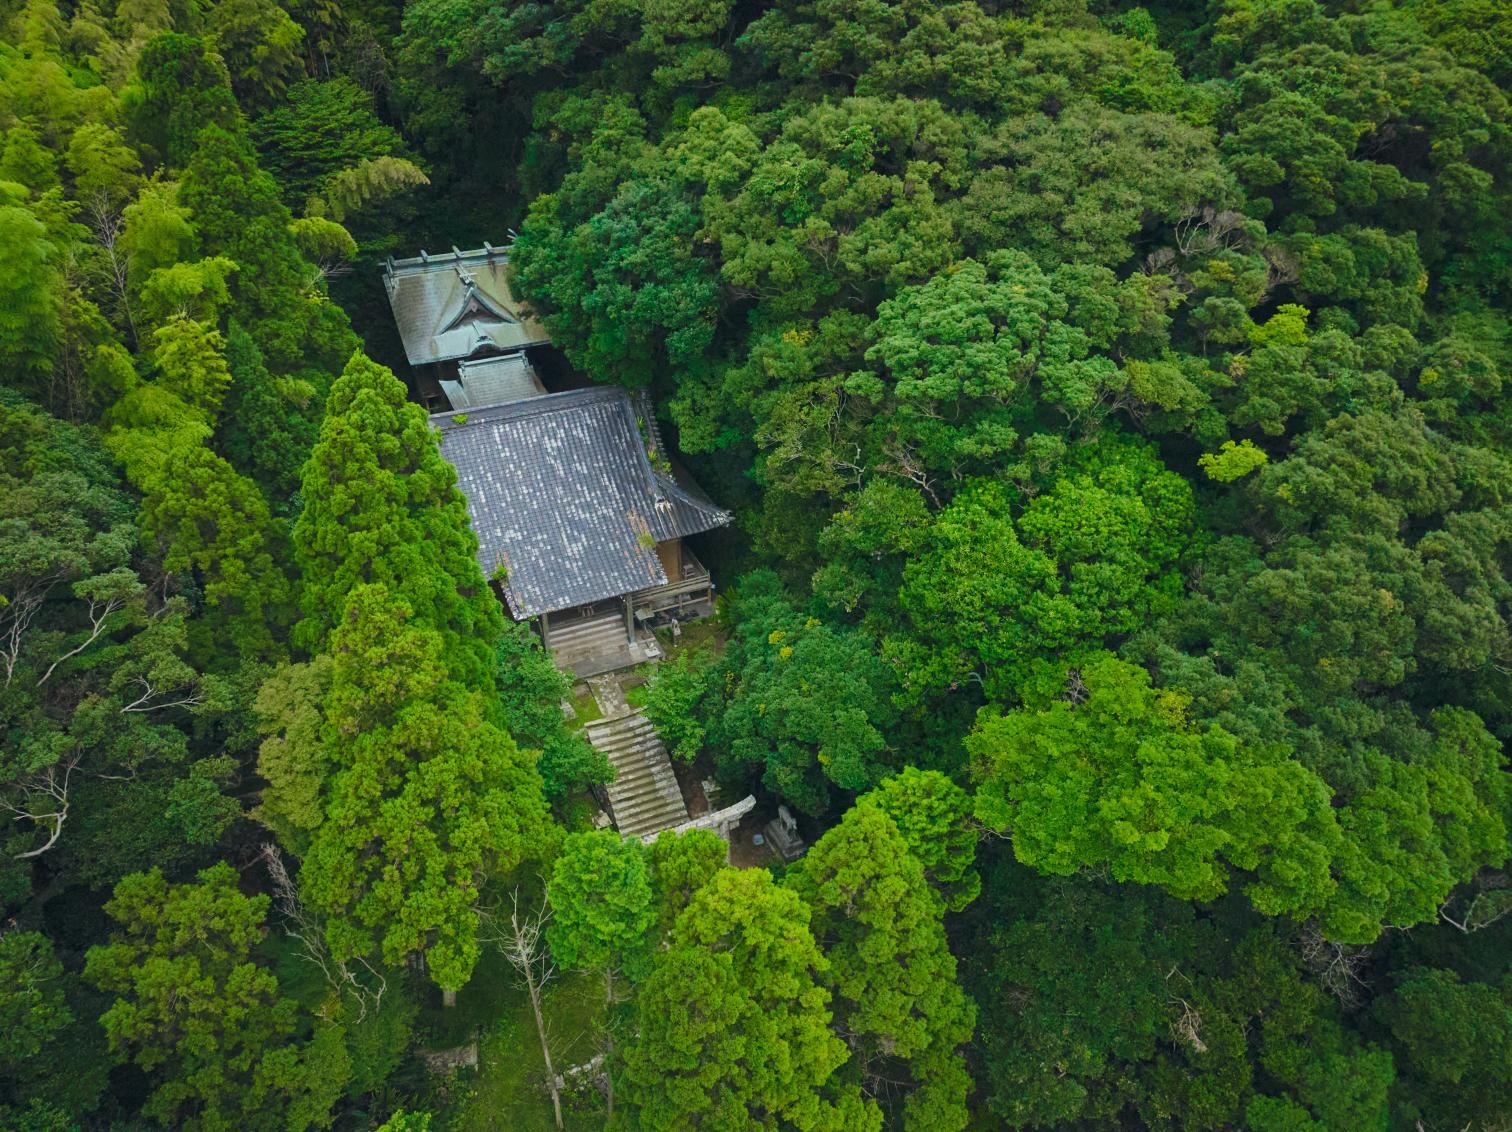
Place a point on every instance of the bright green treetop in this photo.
(203, 516)
(933, 815)
(1115, 776)
(681, 864)
(294, 758)
(987, 597)
(30, 288)
(602, 906)
(893, 977)
(733, 1026)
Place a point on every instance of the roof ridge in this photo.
(514, 358)
(529, 407)
(426, 261)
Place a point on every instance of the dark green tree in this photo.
(806, 703)
(181, 88)
(194, 1009)
(530, 693)
(1454, 1044)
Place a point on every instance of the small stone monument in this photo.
(711, 792)
(782, 833)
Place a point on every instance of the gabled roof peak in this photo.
(432, 296)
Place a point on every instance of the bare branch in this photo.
(523, 947)
(1334, 965)
(48, 789)
(1492, 902)
(17, 615)
(108, 222)
(301, 925)
(192, 698)
(99, 614)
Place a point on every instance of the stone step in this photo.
(644, 815)
(648, 794)
(610, 742)
(587, 634)
(583, 634)
(630, 717)
(651, 820)
(638, 785)
(632, 720)
(656, 824)
(632, 773)
(644, 797)
(630, 763)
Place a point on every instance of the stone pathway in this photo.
(609, 695)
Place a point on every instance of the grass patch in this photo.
(584, 706)
(488, 995)
(507, 1091)
(577, 812)
(701, 634)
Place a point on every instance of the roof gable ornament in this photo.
(475, 305)
(456, 304)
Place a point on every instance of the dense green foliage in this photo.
(1113, 405)
(896, 1000)
(194, 1007)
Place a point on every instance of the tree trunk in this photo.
(551, 1076)
(534, 986)
(448, 998)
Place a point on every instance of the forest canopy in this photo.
(1114, 405)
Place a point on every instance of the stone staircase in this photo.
(604, 633)
(644, 796)
(592, 645)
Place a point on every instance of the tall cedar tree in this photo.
(428, 797)
(896, 1000)
(382, 506)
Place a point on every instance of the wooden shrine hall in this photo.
(580, 520)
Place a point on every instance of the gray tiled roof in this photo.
(562, 497)
(492, 381)
(454, 304)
